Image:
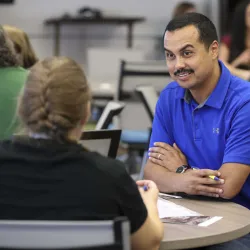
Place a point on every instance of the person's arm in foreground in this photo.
(150, 234)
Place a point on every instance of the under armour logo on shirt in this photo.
(216, 130)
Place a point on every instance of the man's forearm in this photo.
(166, 181)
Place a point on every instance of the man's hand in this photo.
(197, 182)
(194, 182)
(166, 156)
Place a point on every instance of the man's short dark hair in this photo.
(203, 24)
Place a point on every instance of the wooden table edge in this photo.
(217, 239)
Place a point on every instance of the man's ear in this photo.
(214, 49)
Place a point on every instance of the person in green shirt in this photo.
(12, 79)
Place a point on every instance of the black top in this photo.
(47, 180)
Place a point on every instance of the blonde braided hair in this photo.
(55, 97)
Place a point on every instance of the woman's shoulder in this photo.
(108, 166)
(14, 70)
(16, 77)
(61, 154)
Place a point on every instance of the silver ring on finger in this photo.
(159, 156)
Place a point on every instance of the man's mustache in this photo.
(179, 71)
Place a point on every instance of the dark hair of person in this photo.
(205, 27)
(182, 8)
(238, 31)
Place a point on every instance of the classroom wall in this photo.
(30, 15)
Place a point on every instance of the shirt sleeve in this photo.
(161, 124)
(130, 202)
(237, 148)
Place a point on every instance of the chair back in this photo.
(149, 98)
(134, 74)
(105, 142)
(112, 109)
(87, 235)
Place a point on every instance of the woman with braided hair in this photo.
(48, 175)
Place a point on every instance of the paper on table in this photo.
(169, 209)
(210, 221)
(169, 196)
(200, 221)
(170, 212)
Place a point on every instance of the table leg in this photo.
(57, 40)
(130, 35)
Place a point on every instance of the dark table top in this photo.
(98, 20)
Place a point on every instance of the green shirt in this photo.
(12, 79)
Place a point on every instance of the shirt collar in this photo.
(187, 96)
(218, 95)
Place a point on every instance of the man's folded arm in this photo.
(235, 175)
(236, 161)
(166, 181)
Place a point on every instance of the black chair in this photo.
(111, 110)
(133, 75)
(149, 98)
(105, 142)
(86, 235)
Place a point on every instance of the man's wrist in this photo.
(182, 169)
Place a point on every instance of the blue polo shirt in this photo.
(212, 133)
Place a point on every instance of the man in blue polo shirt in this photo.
(202, 120)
